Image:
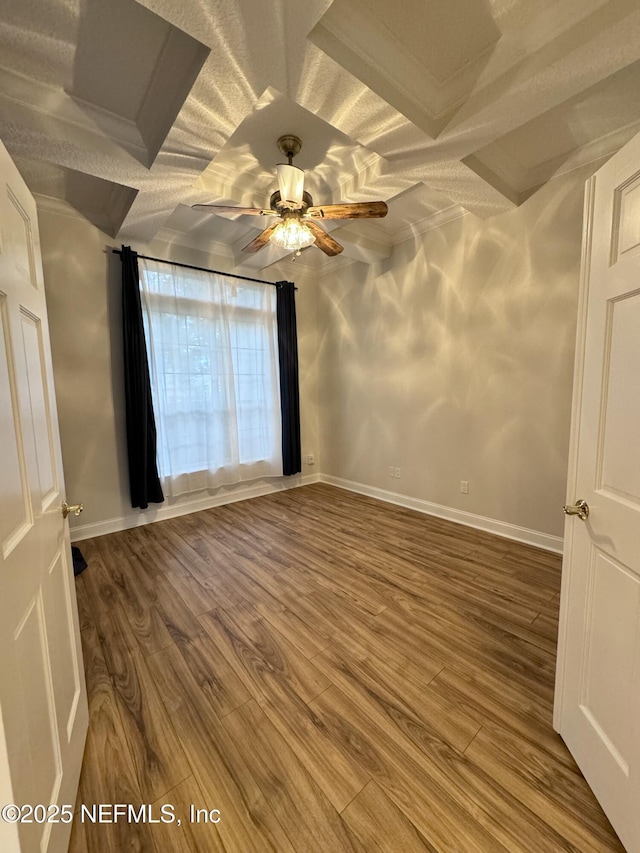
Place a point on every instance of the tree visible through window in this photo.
(213, 360)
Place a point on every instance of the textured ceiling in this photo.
(132, 112)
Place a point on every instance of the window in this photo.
(213, 361)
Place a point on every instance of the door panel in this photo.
(20, 238)
(612, 612)
(625, 233)
(36, 728)
(42, 472)
(62, 648)
(42, 693)
(15, 504)
(597, 704)
(620, 471)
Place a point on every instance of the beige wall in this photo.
(454, 362)
(82, 279)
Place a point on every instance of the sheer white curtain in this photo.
(213, 360)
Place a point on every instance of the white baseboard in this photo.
(480, 522)
(168, 510)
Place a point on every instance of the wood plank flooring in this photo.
(331, 674)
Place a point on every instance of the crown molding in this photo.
(184, 239)
(49, 204)
(429, 223)
(19, 91)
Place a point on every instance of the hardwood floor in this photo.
(332, 674)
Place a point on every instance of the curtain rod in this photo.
(201, 269)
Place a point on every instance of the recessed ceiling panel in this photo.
(102, 202)
(135, 65)
(595, 114)
(421, 56)
(442, 35)
(243, 171)
(119, 45)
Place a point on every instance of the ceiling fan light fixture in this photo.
(292, 235)
(295, 208)
(290, 184)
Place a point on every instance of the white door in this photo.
(597, 709)
(43, 705)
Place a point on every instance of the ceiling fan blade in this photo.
(261, 240)
(357, 210)
(225, 208)
(323, 240)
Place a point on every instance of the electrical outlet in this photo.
(464, 487)
(305, 460)
(311, 459)
(392, 471)
(398, 473)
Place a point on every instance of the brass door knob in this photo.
(76, 509)
(580, 508)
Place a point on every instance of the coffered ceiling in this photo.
(133, 111)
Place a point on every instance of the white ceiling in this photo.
(131, 112)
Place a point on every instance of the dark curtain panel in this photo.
(289, 387)
(144, 483)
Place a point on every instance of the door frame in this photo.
(574, 440)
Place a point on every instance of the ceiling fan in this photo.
(298, 226)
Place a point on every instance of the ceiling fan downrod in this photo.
(290, 146)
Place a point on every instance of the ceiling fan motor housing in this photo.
(276, 203)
